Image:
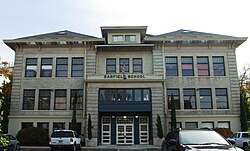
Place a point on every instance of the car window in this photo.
(201, 137)
(62, 134)
(245, 135)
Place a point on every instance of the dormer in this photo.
(124, 34)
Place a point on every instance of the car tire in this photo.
(78, 147)
(245, 147)
(17, 147)
(52, 149)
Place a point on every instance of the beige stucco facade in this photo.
(152, 50)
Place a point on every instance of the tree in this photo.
(173, 113)
(89, 128)
(5, 96)
(73, 121)
(159, 127)
(244, 92)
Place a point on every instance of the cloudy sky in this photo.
(19, 18)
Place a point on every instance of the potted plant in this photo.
(159, 131)
(90, 142)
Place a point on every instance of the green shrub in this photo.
(33, 136)
(224, 132)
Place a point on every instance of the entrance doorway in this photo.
(125, 130)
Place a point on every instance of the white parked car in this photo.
(241, 139)
(65, 139)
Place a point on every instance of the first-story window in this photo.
(44, 99)
(221, 98)
(60, 99)
(43, 125)
(205, 98)
(28, 99)
(176, 98)
(191, 125)
(58, 126)
(207, 125)
(26, 125)
(78, 95)
(223, 124)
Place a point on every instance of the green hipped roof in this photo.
(191, 35)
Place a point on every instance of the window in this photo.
(28, 99)
(44, 125)
(207, 125)
(130, 38)
(26, 125)
(121, 95)
(187, 66)
(203, 66)
(77, 67)
(60, 99)
(221, 98)
(79, 98)
(137, 65)
(205, 98)
(117, 38)
(62, 67)
(58, 126)
(189, 98)
(224, 124)
(191, 125)
(110, 65)
(171, 66)
(124, 65)
(46, 67)
(78, 128)
(44, 99)
(218, 65)
(176, 97)
(178, 125)
(31, 67)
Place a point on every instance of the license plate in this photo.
(60, 141)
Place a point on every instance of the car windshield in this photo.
(201, 137)
(62, 134)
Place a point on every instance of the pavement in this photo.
(109, 148)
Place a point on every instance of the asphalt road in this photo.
(87, 149)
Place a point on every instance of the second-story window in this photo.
(46, 67)
(78, 93)
(110, 65)
(187, 66)
(176, 97)
(205, 98)
(203, 66)
(124, 65)
(77, 67)
(62, 67)
(219, 66)
(28, 99)
(221, 98)
(31, 67)
(137, 65)
(44, 99)
(60, 99)
(171, 66)
(189, 98)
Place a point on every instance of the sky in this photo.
(21, 18)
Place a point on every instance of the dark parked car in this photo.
(196, 139)
(13, 140)
(10, 146)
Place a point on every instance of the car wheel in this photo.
(17, 146)
(245, 146)
(52, 149)
(78, 147)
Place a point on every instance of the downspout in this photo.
(84, 92)
(164, 87)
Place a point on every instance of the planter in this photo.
(91, 143)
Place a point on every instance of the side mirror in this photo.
(232, 141)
